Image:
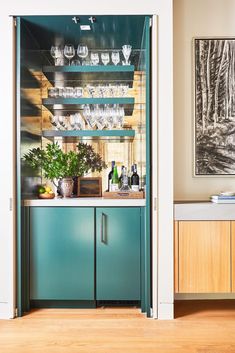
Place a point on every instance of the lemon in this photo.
(48, 189)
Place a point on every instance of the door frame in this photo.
(163, 255)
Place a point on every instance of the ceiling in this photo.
(107, 32)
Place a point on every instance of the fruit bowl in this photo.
(46, 196)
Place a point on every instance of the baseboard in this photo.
(79, 304)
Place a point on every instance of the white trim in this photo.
(165, 165)
(7, 237)
(154, 114)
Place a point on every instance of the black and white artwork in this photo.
(214, 106)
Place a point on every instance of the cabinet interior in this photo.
(38, 73)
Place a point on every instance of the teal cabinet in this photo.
(62, 253)
(118, 253)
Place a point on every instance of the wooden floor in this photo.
(202, 327)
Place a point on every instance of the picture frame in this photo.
(214, 106)
(89, 187)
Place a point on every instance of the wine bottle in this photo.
(115, 180)
(135, 179)
(110, 176)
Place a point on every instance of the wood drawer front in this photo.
(204, 257)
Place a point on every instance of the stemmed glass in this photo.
(95, 58)
(69, 51)
(105, 58)
(115, 57)
(126, 50)
(82, 51)
(56, 53)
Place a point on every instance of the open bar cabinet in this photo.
(60, 260)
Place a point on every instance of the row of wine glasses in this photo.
(104, 91)
(65, 92)
(69, 52)
(100, 117)
(91, 91)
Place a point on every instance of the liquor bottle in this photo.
(135, 179)
(125, 186)
(121, 176)
(115, 180)
(110, 176)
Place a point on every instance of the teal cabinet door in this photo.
(118, 253)
(62, 253)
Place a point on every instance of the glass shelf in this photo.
(75, 103)
(109, 73)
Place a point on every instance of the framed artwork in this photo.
(214, 106)
(89, 187)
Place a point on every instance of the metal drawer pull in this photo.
(103, 228)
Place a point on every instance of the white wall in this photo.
(194, 18)
(163, 8)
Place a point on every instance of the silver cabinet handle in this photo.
(103, 240)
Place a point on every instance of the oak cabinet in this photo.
(203, 257)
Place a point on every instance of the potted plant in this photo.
(56, 164)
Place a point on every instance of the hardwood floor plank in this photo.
(200, 327)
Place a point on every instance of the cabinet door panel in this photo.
(204, 256)
(62, 253)
(118, 253)
(233, 254)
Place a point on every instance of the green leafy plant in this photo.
(56, 164)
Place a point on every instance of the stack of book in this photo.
(223, 198)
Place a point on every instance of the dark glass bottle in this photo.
(135, 179)
(110, 176)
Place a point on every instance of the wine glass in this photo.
(69, 51)
(105, 58)
(115, 57)
(126, 50)
(95, 58)
(82, 51)
(56, 53)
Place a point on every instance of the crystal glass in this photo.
(105, 58)
(94, 58)
(56, 53)
(91, 91)
(68, 92)
(62, 123)
(69, 51)
(115, 57)
(53, 92)
(119, 116)
(77, 92)
(82, 51)
(72, 121)
(79, 122)
(75, 62)
(87, 113)
(54, 120)
(126, 50)
(123, 90)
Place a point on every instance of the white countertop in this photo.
(204, 211)
(85, 202)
